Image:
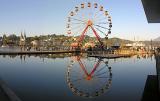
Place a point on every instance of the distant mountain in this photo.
(157, 39)
(116, 41)
(119, 40)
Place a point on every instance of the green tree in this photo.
(5, 40)
(12, 37)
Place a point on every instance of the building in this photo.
(152, 10)
(22, 41)
(135, 45)
(35, 44)
(116, 45)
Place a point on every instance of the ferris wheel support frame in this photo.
(98, 37)
(89, 24)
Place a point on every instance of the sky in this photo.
(43, 17)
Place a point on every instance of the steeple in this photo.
(24, 35)
(21, 37)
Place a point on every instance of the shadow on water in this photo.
(152, 86)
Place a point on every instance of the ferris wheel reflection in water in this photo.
(88, 78)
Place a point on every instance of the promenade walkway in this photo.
(34, 52)
(3, 96)
(6, 94)
(110, 56)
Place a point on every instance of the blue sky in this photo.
(49, 16)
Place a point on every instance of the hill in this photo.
(157, 39)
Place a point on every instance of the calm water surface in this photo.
(75, 78)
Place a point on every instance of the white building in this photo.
(135, 45)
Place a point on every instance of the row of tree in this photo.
(61, 39)
(11, 39)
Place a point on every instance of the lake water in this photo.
(76, 78)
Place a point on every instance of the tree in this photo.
(5, 40)
(12, 37)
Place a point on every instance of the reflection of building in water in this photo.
(152, 11)
(12, 56)
(158, 68)
(89, 79)
(23, 57)
(144, 56)
(152, 87)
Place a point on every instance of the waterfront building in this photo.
(135, 45)
(89, 44)
(35, 44)
(116, 45)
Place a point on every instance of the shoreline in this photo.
(35, 52)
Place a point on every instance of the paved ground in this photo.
(6, 94)
(3, 97)
(151, 92)
(35, 52)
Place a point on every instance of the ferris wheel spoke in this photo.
(78, 20)
(91, 13)
(103, 77)
(100, 31)
(100, 74)
(98, 85)
(103, 23)
(80, 16)
(76, 80)
(76, 72)
(77, 23)
(101, 81)
(98, 16)
(100, 69)
(102, 19)
(101, 27)
(95, 14)
(78, 30)
(80, 26)
(76, 27)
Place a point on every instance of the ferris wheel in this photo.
(89, 80)
(89, 19)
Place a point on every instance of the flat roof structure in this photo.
(152, 10)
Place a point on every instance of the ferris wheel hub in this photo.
(88, 78)
(89, 23)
